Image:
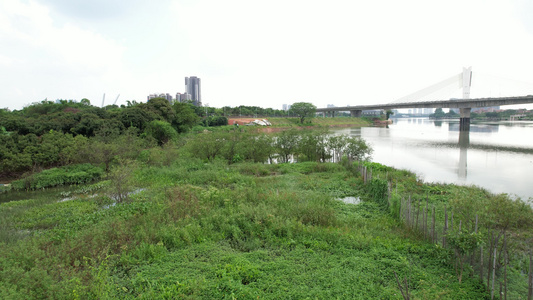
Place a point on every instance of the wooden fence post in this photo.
(505, 258)
(417, 214)
(445, 227)
(407, 211)
(433, 236)
(489, 267)
(451, 222)
(493, 274)
(481, 264)
(472, 256)
(530, 281)
(424, 222)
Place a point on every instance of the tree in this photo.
(135, 116)
(286, 144)
(303, 110)
(161, 131)
(257, 147)
(207, 145)
(439, 113)
(312, 146)
(463, 242)
(185, 117)
(161, 108)
(357, 149)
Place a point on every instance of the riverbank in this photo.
(314, 122)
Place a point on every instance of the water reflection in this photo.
(464, 142)
(495, 155)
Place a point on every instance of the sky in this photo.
(260, 53)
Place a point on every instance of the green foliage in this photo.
(312, 146)
(73, 174)
(122, 180)
(185, 117)
(211, 223)
(464, 243)
(207, 145)
(215, 230)
(161, 131)
(303, 110)
(286, 144)
(377, 189)
(215, 121)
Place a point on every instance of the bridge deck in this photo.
(457, 103)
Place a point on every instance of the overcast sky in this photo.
(259, 53)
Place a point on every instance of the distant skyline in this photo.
(341, 52)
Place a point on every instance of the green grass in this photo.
(213, 231)
(319, 121)
(68, 175)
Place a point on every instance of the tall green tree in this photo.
(161, 131)
(186, 118)
(303, 110)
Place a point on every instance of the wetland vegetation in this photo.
(234, 213)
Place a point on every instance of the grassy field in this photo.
(319, 121)
(213, 231)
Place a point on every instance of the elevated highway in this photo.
(464, 105)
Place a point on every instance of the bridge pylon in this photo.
(464, 121)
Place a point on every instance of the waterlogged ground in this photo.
(213, 231)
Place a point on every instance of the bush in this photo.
(74, 174)
(377, 189)
(161, 131)
(121, 177)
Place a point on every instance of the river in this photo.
(497, 156)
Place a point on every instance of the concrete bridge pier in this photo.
(464, 124)
(356, 113)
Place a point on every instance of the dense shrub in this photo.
(73, 174)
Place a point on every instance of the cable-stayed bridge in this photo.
(419, 99)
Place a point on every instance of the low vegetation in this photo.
(187, 220)
(144, 202)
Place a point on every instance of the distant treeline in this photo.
(496, 115)
(48, 134)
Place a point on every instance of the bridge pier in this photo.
(464, 124)
(356, 113)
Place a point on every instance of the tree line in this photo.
(50, 134)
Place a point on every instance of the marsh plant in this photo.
(121, 178)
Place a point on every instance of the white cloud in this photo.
(256, 53)
(46, 60)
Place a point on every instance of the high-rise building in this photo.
(183, 97)
(194, 88)
(166, 96)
